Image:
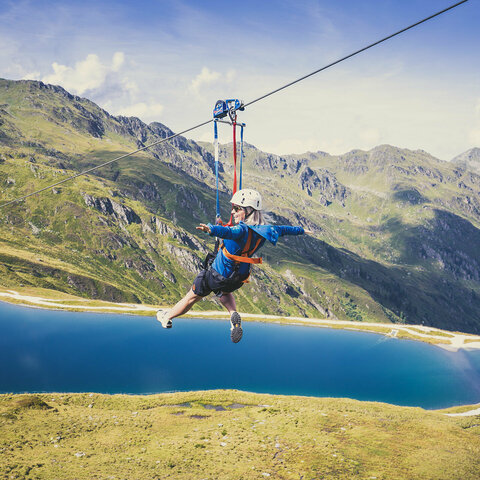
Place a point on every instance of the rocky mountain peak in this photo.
(159, 129)
(470, 160)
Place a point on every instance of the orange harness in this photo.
(247, 252)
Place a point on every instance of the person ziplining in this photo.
(228, 268)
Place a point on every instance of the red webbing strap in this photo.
(234, 156)
(234, 189)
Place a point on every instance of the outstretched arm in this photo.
(231, 233)
(288, 230)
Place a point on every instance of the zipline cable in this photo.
(354, 53)
(108, 163)
(245, 105)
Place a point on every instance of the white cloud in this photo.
(88, 74)
(205, 77)
(118, 61)
(130, 86)
(147, 112)
(32, 76)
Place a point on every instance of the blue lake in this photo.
(54, 351)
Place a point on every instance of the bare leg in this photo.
(184, 305)
(228, 301)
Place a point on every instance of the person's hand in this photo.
(204, 228)
(307, 232)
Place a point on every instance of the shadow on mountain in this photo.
(409, 195)
(447, 241)
(422, 290)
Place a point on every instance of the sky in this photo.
(170, 60)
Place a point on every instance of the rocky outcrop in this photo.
(141, 265)
(187, 260)
(270, 162)
(355, 162)
(324, 185)
(180, 152)
(299, 284)
(81, 119)
(107, 206)
(182, 237)
(468, 204)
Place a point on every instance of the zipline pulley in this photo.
(228, 107)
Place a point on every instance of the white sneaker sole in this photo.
(162, 318)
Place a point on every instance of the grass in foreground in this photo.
(230, 435)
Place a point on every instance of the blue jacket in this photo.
(235, 239)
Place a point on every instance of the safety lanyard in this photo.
(215, 132)
(241, 156)
(236, 180)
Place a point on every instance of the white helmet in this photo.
(247, 198)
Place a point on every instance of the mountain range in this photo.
(396, 232)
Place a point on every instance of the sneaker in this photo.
(236, 331)
(163, 319)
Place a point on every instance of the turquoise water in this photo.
(54, 351)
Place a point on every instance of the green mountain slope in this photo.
(396, 231)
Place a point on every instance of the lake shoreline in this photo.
(458, 410)
(451, 341)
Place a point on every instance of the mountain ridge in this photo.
(395, 230)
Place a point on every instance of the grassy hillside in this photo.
(396, 232)
(230, 435)
(66, 240)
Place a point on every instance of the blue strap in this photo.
(215, 134)
(241, 155)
